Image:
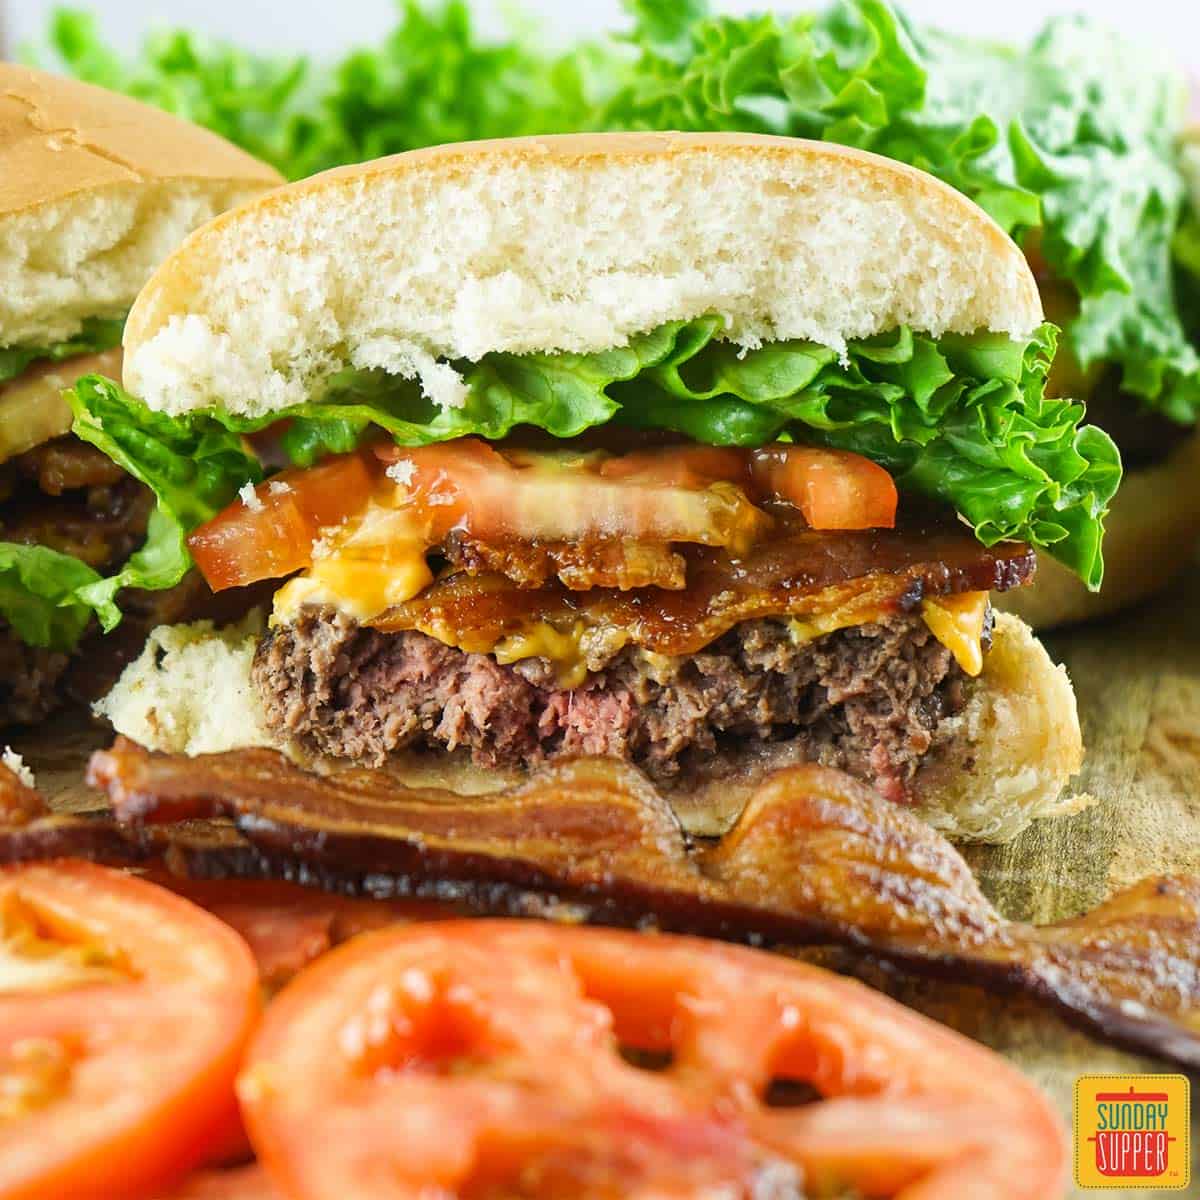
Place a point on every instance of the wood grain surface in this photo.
(1137, 678)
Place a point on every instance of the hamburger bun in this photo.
(95, 190)
(536, 244)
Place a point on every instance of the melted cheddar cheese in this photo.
(957, 622)
(375, 564)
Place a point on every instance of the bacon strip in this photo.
(796, 572)
(816, 858)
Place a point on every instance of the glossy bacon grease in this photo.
(815, 859)
(688, 494)
(489, 1059)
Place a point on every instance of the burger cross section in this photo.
(579, 480)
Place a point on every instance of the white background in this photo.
(323, 27)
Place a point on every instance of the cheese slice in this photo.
(564, 648)
(364, 570)
(957, 622)
(32, 408)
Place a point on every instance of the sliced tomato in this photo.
(679, 466)
(690, 494)
(124, 1012)
(272, 535)
(495, 1058)
(833, 489)
(467, 484)
(287, 926)
(241, 1183)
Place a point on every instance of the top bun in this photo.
(561, 243)
(95, 190)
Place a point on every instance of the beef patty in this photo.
(69, 496)
(869, 699)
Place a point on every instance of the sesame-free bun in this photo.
(569, 243)
(95, 190)
(1014, 746)
(1151, 534)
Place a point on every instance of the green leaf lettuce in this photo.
(962, 420)
(96, 334)
(193, 464)
(39, 595)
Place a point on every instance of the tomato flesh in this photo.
(695, 494)
(124, 1011)
(492, 1058)
(833, 489)
(241, 1183)
(273, 534)
(469, 485)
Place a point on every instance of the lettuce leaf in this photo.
(193, 464)
(96, 334)
(432, 78)
(962, 420)
(1067, 142)
(39, 595)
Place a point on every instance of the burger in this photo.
(704, 452)
(95, 190)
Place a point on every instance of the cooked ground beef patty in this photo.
(69, 496)
(29, 679)
(869, 699)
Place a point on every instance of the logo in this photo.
(1132, 1131)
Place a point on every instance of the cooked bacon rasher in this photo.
(816, 858)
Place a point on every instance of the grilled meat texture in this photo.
(70, 497)
(30, 680)
(869, 699)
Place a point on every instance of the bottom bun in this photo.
(1151, 534)
(1013, 748)
(1010, 754)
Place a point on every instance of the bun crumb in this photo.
(189, 691)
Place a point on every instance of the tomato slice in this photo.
(679, 466)
(833, 489)
(689, 494)
(272, 535)
(241, 1183)
(468, 484)
(124, 1012)
(494, 1058)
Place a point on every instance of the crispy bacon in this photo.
(814, 859)
(796, 573)
(67, 464)
(579, 566)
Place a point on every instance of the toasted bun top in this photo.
(95, 189)
(562, 243)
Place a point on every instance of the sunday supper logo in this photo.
(1132, 1131)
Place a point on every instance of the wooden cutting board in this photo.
(1138, 682)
